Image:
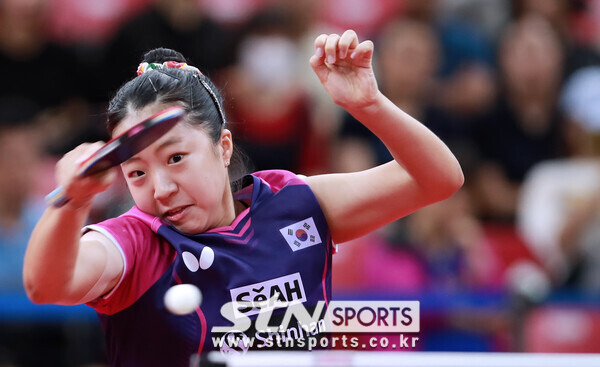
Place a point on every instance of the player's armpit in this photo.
(98, 269)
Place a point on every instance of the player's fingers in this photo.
(80, 153)
(103, 179)
(347, 42)
(88, 149)
(315, 61)
(363, 53)
(320, 45)
(66, 167)
(71, 158)
(318, 67)
(81, 191)
(331, 48)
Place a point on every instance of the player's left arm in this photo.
(423, 171)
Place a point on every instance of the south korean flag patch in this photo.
(302, 234)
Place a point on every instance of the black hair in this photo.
(195, 92)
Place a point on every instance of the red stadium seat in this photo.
(562, 329)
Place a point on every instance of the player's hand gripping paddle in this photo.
(122, 147)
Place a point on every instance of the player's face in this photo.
(182, 177)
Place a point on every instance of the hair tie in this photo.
(145, 67)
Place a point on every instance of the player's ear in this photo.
(226, 145)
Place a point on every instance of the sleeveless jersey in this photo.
(279, 245)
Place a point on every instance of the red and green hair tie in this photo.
(147, 66)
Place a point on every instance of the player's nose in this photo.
(164, 186)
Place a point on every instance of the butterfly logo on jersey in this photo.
(301, 235)
(204, 261)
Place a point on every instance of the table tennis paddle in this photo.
(122, 147)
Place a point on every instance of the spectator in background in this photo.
(232, 13)
(563, 16)
(489, 17)
(461, 43)
(466, 63)
(180, 25)
(273, 125)
(366, 17)
(20, 151)
(441, 250)
(407, 64)
(559, 209)
(586, 24)
(452, 245)
(554, 11)
(305, 19)
(444, 247)
(25, 342)
(87, 72)
(33, 67)
(51, 75)
(523, 127)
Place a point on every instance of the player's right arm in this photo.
(61, 266)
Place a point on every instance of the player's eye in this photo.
(135, 174)
(175, 158)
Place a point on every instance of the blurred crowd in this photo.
(511, 86)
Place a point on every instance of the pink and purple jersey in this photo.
(279, 245)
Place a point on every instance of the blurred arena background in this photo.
(511, 263)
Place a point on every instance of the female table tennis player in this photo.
(269, 230)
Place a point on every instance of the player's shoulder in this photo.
(277, 179)
(134, 217)
(132, 224)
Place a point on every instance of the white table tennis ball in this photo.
(182, 299)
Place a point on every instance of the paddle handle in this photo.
(57, 197)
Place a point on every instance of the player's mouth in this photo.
(176, 214)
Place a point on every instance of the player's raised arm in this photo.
(424, 170)
(60, 266)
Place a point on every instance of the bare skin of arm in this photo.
(423, 171)
(60, 265)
